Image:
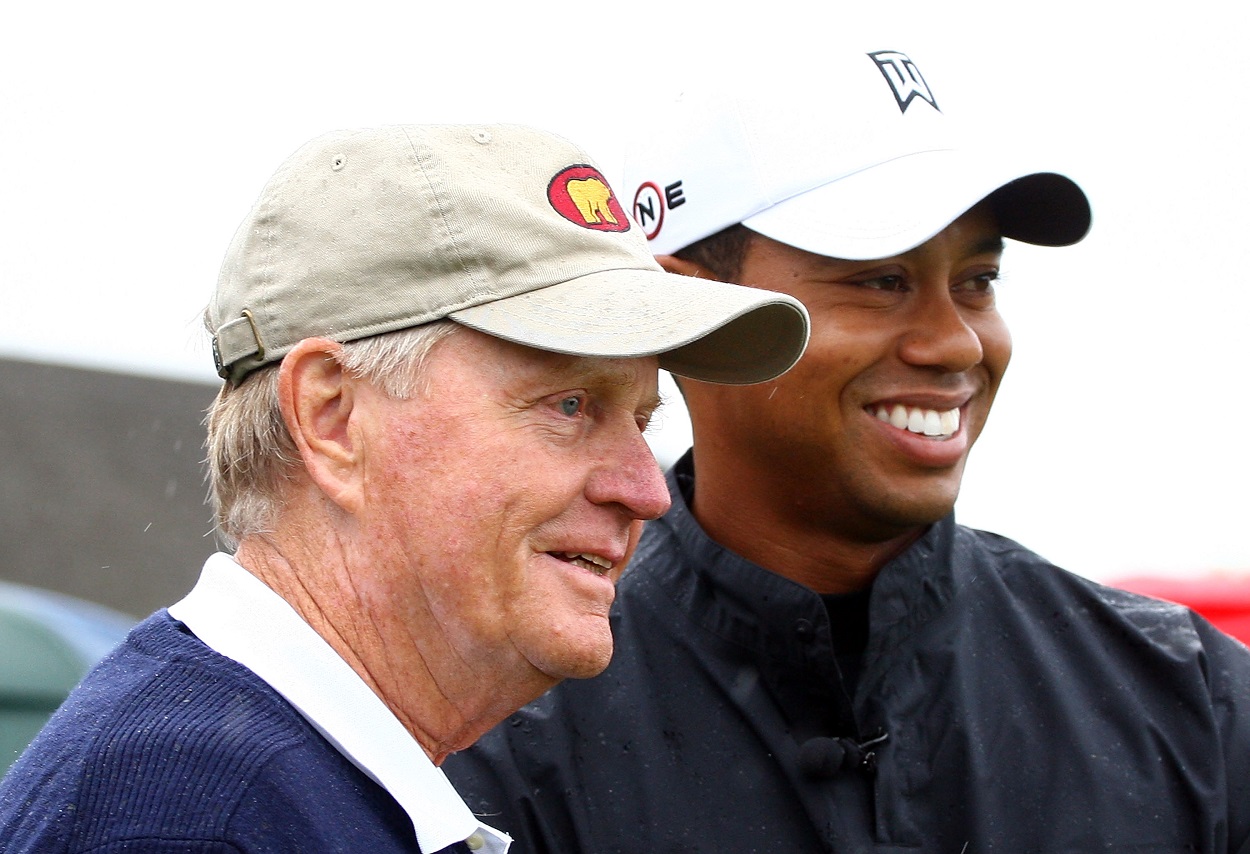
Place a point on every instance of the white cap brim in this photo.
(895, 206)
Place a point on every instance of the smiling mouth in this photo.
(924, 422)
(597, 564)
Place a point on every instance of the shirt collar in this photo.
(758, 609)
(239, 616)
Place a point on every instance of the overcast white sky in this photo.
(136, 135)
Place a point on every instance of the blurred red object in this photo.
(1221, 597)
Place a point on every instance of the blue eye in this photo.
(570, 406)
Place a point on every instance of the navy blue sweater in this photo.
(168, 746)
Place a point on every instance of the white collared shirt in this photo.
(239, 616)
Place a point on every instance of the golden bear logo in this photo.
(591, 197)
(582, 195)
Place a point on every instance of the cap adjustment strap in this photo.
(234, 341)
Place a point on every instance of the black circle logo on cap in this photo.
(649, 209)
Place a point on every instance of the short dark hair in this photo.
(721, 253)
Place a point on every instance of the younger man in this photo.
(811, 654)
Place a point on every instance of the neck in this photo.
(440, 698)
(772, 527)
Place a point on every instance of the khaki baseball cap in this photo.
(848, 154)
(506, 229)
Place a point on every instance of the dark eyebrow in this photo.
(990, 244)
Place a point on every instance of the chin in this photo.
(912, 511)
(591, 662)
(587, 669)
(582, 658)
(922, 516)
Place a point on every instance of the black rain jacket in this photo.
(1024, 709)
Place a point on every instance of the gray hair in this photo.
(251, 456)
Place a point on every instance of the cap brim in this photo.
(702, 329)
(895, 206)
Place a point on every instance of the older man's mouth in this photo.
(597, 564)
(936, 424)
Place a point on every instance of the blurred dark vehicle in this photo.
(1221, 597)
(48, 642)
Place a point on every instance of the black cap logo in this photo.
(904, 78)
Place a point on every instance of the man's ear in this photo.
(682, 267)
(317, 399)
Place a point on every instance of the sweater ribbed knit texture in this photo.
(168, 746)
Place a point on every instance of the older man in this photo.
(440, 347)
(811, 654)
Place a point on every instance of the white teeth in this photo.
(926, 422)
(595, 563)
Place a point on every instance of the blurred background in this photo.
(136, 135)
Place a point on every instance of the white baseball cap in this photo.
(850, 157)
(503, 228)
